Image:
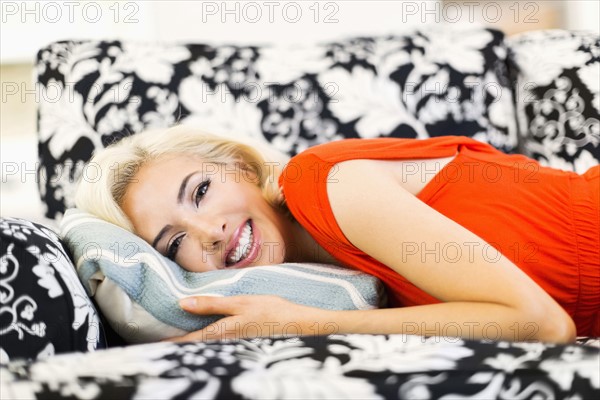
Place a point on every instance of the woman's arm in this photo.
(379, 217)
(480, 299)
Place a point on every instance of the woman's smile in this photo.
(244, 247)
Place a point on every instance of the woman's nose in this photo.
(210, 231)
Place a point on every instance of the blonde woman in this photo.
(469, 241)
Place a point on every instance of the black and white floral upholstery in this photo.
(44, 309)
(427, 82)
(557, 86)
(333, 367)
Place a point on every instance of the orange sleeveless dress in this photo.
(546, 221)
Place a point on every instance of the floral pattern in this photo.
(336, 366)
(425, 82)
(43, 307)
(557, 86)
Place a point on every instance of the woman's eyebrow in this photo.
(180, 195)
(183, 186)
(160, 235)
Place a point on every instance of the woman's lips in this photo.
(254, 246)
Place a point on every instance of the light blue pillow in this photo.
(138, 289)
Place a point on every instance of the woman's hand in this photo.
(256, 316)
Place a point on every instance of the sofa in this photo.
(536, 94)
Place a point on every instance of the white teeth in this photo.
(243, 246)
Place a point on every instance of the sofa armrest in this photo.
(44, 308)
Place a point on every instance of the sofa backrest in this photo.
(430, 81)
(556, 81)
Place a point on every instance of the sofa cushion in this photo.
(44, 309)
(557, 85)
(138, 289)
(347, 366)
(424, 82)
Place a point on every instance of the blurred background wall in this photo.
(27, 26)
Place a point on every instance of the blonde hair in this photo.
(119, 163)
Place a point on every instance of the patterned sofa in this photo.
(537, 94)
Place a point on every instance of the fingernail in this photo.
(189, 302)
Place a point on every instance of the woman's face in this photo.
(205, 216)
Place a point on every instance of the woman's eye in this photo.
(201, 191)
(173, 247)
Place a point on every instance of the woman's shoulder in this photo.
(308, 171)
(385, 149)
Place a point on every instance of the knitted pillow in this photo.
(138, 289)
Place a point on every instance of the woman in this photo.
(469, 241)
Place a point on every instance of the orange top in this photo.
(546, 221)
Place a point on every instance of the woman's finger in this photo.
(232, 305)
(219, 330)
(209, 305)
